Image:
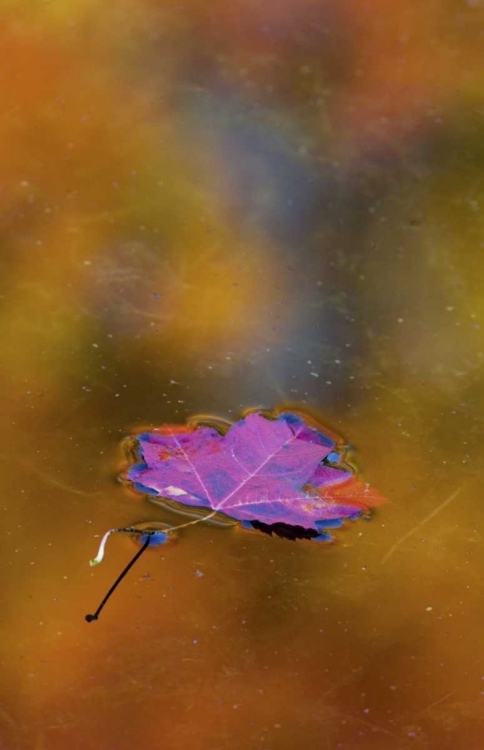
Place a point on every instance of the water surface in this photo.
(210, 208)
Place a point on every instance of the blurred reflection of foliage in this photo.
(187, 174)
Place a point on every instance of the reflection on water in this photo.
(210, 207)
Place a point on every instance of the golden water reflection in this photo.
(210, 208)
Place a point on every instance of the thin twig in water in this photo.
(436, 703)
(421, 523)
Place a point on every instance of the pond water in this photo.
(209, 208)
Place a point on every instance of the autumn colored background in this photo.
(206, 207)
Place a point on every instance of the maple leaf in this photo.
(279, 475)
(276, 474)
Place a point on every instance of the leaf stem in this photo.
(192, 523)
(100, 553)
(132, 530)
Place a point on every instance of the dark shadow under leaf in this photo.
(285, 530)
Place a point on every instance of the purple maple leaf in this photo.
(273, 473)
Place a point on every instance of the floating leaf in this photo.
(273, 473)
